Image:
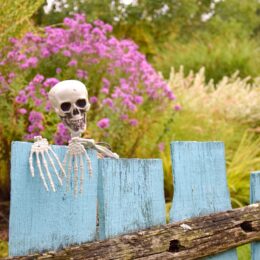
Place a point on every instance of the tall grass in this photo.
(228, 111)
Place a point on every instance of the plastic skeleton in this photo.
(41, 148)
(69, 99)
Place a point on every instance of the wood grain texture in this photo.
(254, 198)
(205, 236)
(130, 195)
(200, 185)
(41, 220)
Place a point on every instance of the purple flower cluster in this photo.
(103, 123)
(37, 92)
(35, 126)
(122, 81)
(62, 134)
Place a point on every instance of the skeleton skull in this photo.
(69, 98)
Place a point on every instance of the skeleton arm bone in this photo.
(90, 143)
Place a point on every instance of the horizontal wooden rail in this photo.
(188, 239)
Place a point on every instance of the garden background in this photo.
(156, 71)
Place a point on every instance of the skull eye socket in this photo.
(81, 103)
(65, 106)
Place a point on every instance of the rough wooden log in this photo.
(188, 239)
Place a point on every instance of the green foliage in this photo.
(173, 33)
(221, 56)
(244, 252)
(11, 128)
(227, 42)
(15, 18)
(141, 21)
(3, 248)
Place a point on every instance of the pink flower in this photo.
(21, 98)
(32, 62)
(45, 53)
(108, 101)
(161, 146)
(121, 71)
(177, 107)
(105, 90)
(48, 106)
(11, 75)
(93, 100)
(22, 111)
(72, 63)
(38, 79)
(50, 82)
(138, 99)
(35, 116)
(171, 96)
(124, 117)
(133, 122)
(82, 74)
(62, 134)
(66, 53)
(103, 123)
(58, 70)
(106, 83)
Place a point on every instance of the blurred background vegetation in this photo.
(209, 51)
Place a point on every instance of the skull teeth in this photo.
(75, 125)
(77, 121)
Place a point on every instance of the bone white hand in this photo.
(75, 154)
(42, 149)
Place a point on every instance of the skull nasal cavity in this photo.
(75, 111)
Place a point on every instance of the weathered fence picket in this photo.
(255, 197)
(130, 195)
(41, 220)
(200, 185)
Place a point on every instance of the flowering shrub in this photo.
(121, 83)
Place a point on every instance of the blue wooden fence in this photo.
(200, 185)
(127, 195)
(255, 197)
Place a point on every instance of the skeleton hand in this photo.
(104, 151)
(76, 152)
(41, 148)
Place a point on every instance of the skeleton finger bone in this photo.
(103, 150)
(75, 174)
(47, 171)
(89, 163)
(81, 166)
(40, 171)
(90, 143)
(54, 168)
(59, 163)
(31, 163)
(75, 159)
(41, 149)
(69, 170)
